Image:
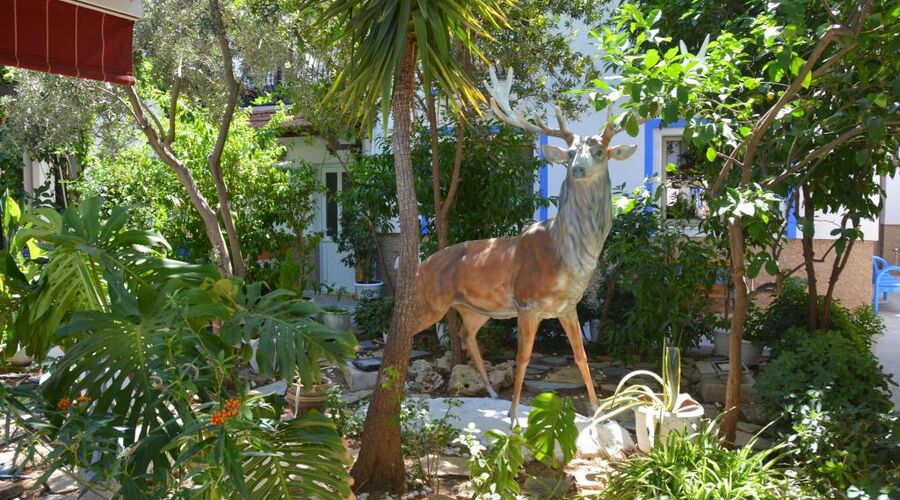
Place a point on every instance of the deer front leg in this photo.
(528, 324)
(573, 332)
(472, 322)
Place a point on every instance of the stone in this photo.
(452, 466)
(425, 376)
(359, 380)
(534, 370)
(279, 387)
(466, 381)
(712, 390)
(615, 372)
(556, 361)
(545, 386)
(748, 427)
(353, 397)
(54, 496)
(566, 375)
(59, 482)
(501, 375)
(608, 439)
(10, 490)
(367, 364)
(753, 412)
(444, 364)
(368, 345)
(418, 355)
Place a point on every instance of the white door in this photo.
(332, 270)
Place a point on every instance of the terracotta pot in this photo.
(305, 401)
(649, 422)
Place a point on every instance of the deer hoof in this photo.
(492, 393)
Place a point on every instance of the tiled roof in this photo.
(261, 116)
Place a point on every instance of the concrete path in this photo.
(887, 347)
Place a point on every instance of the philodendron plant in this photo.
(636, 395)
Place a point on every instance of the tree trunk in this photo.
(380, 467)
(207, 214)
(215, 158)
(441, 216)
(809, 255)
(837, 267)
(741, 303)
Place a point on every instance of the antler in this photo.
(611, 129)
(499, 92)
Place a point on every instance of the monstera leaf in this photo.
(289, 341)
(142, 371)
(303, 458)
(87, 263)
(552, 421)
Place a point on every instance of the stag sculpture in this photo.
(543, 272)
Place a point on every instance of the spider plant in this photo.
(627, 397)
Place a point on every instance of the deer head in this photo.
(586, 158)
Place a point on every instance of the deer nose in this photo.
(578, 172)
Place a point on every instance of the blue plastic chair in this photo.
(883, 282)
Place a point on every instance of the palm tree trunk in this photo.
(380, 467)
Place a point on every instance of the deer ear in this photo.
(553, 154)
(622, 152)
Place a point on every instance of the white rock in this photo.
(501, 375)
(443, 364)
(425, 376)
(466, 381)
(60, 482)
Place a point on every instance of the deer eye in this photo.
(599, 153)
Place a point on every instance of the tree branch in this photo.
(817, 153)
(173, 106)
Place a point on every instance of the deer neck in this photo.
(582, 224)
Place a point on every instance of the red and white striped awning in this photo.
(81, 38)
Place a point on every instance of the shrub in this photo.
(857, 454)
(786, 320)
(699, 466)
(855, 382)
(373, 315)
(656, 282)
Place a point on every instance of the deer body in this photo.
(540, 274)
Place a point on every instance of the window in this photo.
(684, 187)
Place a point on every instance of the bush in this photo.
(856, 454)
(656, 282)
(373, 315)
(700, 466)
(823, 360)
(786, 321)
(834, 403)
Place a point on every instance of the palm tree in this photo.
(389, 40)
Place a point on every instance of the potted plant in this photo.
(751, 344)
(335, 316)
(296, 270)
(302, 399)
(372, 315)
(656, 414)
(357, 241)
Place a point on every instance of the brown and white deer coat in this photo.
(543, 272)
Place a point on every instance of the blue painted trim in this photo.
(544, 176)
(792, 216)
(650, 145)
(423, 222)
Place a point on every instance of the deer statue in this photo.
(543, 272)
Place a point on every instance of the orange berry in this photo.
(64, 404)
(83, 399)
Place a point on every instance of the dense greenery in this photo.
(147, 392)
(655, 281)
(499, 172)
(273, 201)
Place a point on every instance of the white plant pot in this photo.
(684, 418)
(340, 321)
(371, 289)
(20, 358)
(750, 352)
(443, 333)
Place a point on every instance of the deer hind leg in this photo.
(573, 332)
(528, 324)
(472, 322)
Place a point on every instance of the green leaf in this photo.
(11, 213)
(551, 422)
(710, 153)
(753, 269)
(772, 267)
(631, 126)
(651, 58)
